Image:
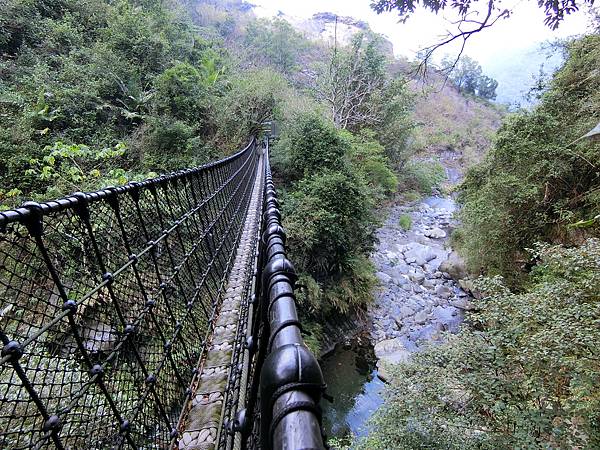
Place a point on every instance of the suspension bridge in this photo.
(156, 315)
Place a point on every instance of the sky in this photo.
(524, 29)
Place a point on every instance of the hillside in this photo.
(449, 120)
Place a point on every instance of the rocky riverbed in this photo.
(419, 298)
(422, 294)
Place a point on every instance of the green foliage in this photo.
(536, 181)
(327, 218)
(405, 222)
(274, 42)
(334, 179)
(422, 176)
(525, 374)
(312, 144)
(181, 93)
(367, 157)
(98, 73)
(67, 168)
(486, 87)
(251, 99)
(467, 75)
(395, 123)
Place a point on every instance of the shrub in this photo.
(328, 218)
(313, 144)
(368, 158)
(405, 222)
(422, 176)
(525, 375)
(180, 93)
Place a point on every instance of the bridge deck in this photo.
(203, 425)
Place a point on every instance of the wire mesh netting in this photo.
(106, 301)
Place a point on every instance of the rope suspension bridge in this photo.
(156, 315)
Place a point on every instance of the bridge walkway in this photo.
(222, 373)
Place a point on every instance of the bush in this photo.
(328, 218)
(368, 158)
(525, 375)
(405, 222)
(422, 176)
(180, 93)
(312, 144)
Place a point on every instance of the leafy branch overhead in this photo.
(472, 19)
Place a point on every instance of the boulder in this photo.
(467, 286)
(427, 283)
(389, 352)
(443, 291)
(435, 233)
(403, 313)
(383, 277)
(454, 266)
(421, 317)
(419, 253)
(417, 277)
(462, 303)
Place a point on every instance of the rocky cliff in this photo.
(322, 27)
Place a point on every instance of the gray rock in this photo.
(421, 317)
(405, 311)
(454, 266)
(443, 291)
(397, 272)
(407, 287)
(98, 336)
(419, 252)
(383, 277)
(462, 303)
(390, 352)
(467, 286)
(427, 283)
(435, 233)
(417, 276)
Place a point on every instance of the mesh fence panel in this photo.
(106, 300)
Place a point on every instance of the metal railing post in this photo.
(291, 381)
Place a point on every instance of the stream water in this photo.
(416, 303)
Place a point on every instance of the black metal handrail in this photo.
(291, 382)
(106, 299)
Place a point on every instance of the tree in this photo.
(350, 81)
(486, 87)
(275, 42)
(466, 74)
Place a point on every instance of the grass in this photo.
(411, 196)
(405, 221)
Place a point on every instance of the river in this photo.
(415, 304)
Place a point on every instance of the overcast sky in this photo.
(522, 30)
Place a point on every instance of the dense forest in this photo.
(96, 93)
